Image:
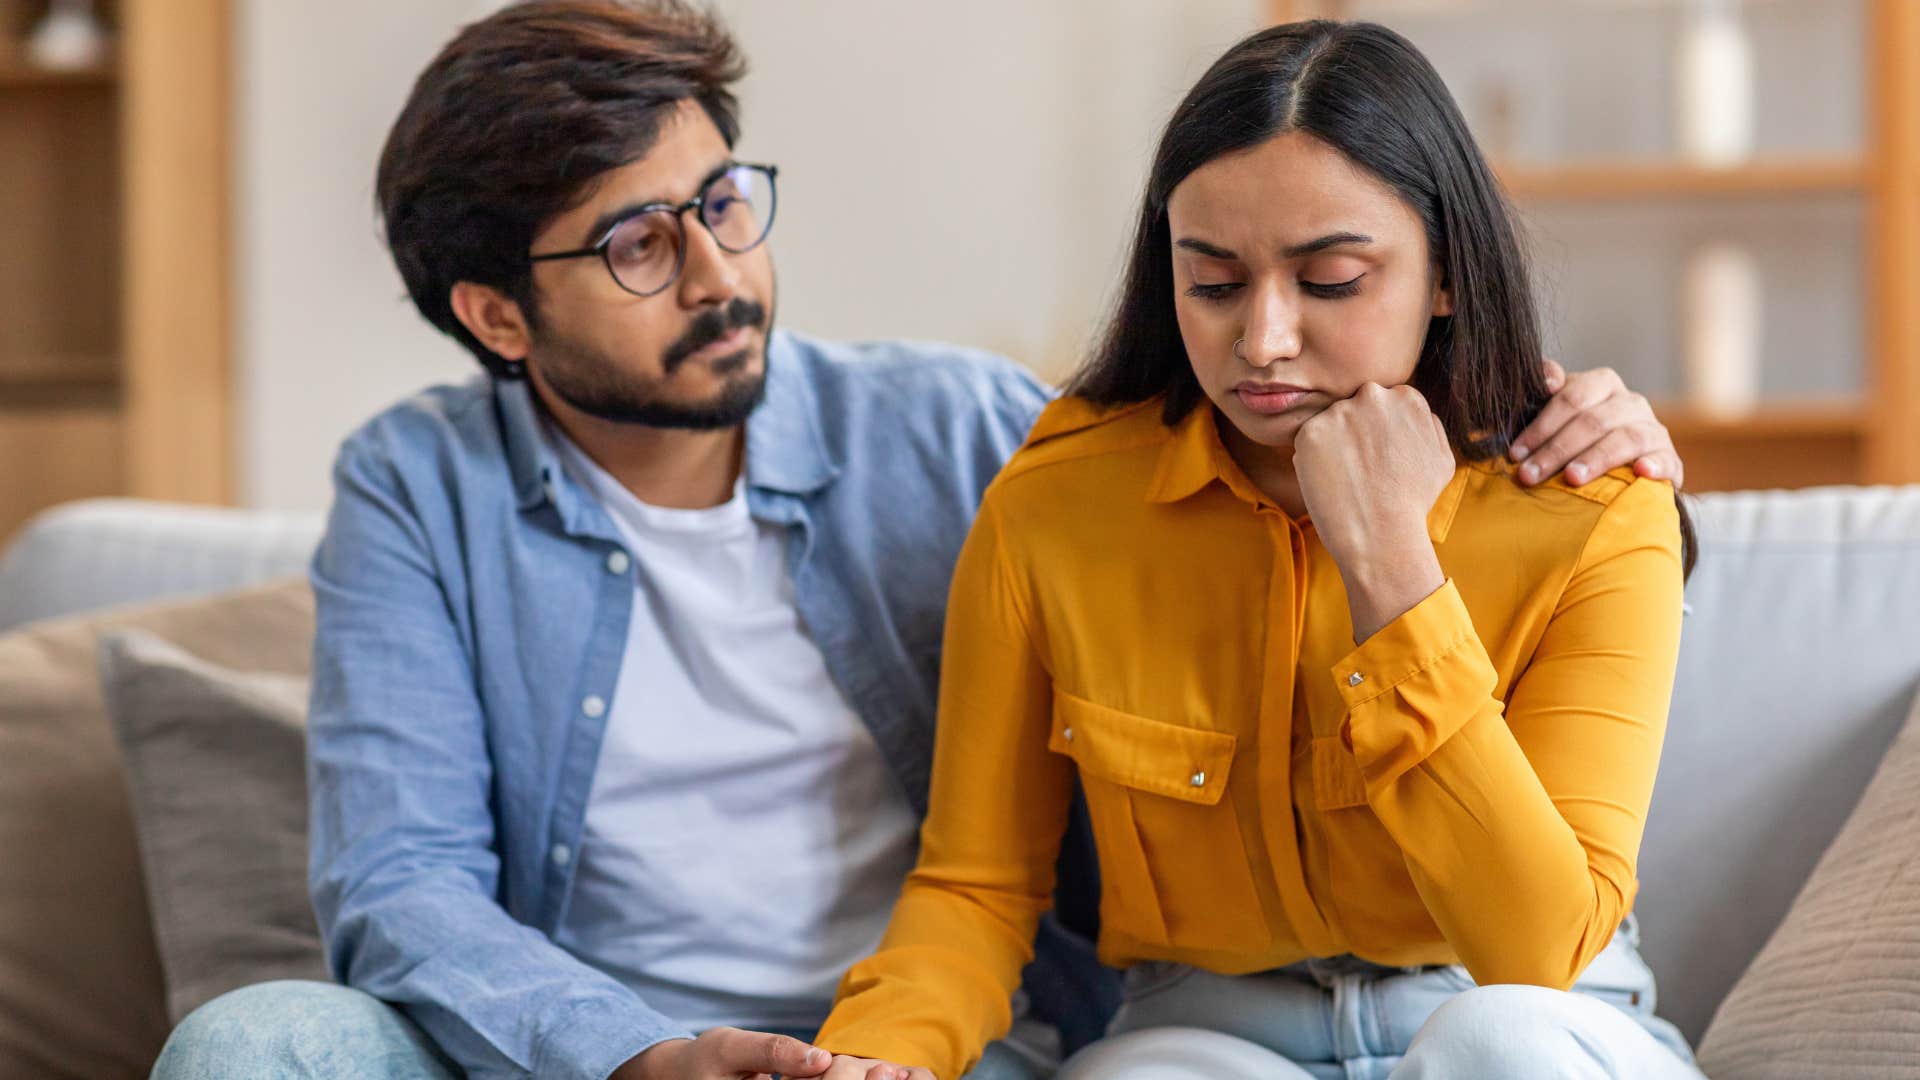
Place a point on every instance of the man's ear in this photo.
(493, 318)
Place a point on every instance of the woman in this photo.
(1367, 731)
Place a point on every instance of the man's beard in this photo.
(597, 385)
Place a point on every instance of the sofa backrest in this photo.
(100, 553)
(1799, 659)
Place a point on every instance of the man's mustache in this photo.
(710, 326)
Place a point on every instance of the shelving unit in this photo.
(1871, 437)
(114, 252)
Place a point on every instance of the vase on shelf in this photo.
(1723, 330)
(1714, 84)
(69, 38)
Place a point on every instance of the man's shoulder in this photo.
(428, 424)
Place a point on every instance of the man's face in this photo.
(693, 355)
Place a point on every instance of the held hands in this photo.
(733, 1054)
(726, 1054)
(847, 1067)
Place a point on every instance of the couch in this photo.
(1800, 657)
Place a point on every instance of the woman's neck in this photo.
(1269, 467)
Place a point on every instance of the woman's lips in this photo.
(1270, 400)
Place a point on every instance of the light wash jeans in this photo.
(315, 1030)
(1345, 1019)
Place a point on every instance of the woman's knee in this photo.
(288, 1028)
(1501, 1032)
(1177, 1053)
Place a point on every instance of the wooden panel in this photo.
(1286, 11)
(1893, 231)
(59, 222)
(176, 66)
(54, 455)
(1836, 419)
(1637, 180)
(1735, 462)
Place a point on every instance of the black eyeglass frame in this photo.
(678, 212)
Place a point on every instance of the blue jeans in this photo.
(313, 1030)
(1345, 1019)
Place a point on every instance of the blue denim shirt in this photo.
(471, 625)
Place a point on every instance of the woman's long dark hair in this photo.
(1368, 93)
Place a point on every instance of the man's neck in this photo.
(670, 467)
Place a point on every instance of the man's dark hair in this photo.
(1368, 93)
(512, 122)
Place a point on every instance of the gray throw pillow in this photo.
(216, 774)
(1835, 993)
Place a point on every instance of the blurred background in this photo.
(1723, 198)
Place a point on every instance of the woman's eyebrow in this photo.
(1339, 239)
(1201, 247)
(1311, 247)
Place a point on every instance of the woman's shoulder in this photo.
(1074, 430)
(1566, 522)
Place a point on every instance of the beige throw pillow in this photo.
(1835, 993)
(216, 763)
(81, 993)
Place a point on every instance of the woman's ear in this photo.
(1442, 301)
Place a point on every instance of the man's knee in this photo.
(1501, 1032)
(296, 1028)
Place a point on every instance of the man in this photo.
(626, 656)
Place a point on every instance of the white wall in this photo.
(964, 171)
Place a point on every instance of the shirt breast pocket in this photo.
(1174, 869)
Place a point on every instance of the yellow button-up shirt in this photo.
(1468, 785)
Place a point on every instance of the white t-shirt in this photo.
(745, 841)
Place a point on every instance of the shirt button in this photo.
(1199, 779)
(1067, 734)
(595, 706)
(562, 854)
(1356, 679)
(617, 562)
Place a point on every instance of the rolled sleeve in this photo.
(1403, 687)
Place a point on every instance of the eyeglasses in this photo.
(646, 250)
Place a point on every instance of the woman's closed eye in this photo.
(1325, 290)
(1337, 290)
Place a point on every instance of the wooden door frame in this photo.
(177, 314)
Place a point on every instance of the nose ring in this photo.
(1239, 349)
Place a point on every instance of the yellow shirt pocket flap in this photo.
(1189, 764)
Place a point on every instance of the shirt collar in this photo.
(1194, 457)
(786, 450)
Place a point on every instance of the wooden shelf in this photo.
(16, 74)
(77, 371)
(1652, 180)
(1814, 419)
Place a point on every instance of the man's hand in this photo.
(1593, 424)
(847, 1067)
(726, 1054)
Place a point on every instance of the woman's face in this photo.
(1319, 267)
